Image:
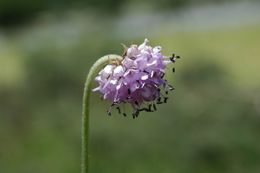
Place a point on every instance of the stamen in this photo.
(118, 109)
(150, 108)
(162, 75)
(170, 87)
(109, 110)
(173, 58)
(167, 86)
(159, 101)
(143, 109)
(135, 113)
(154, 107)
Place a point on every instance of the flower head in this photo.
(137, 79)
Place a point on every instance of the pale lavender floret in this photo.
(136, 79)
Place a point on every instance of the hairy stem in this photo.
(98, 65)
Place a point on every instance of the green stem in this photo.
(99, 64)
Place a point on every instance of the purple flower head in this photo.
(138, 79)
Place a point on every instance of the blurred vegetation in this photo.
(16, 12)
(211, 123)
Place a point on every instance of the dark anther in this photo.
(162, 75)
(172, 58)
(109, 110)
(129, 91)
(124, 114)
(166, 92)
(154, 107)
(118, 109)
(146, 72)
(170, 87)
(150, 108)
(136, 103)
(142, 109)
(178, 57)
(136, 113)
(165, 99)
(159, 101)
(173, 70)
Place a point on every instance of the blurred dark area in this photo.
(211, 123)
(16, 12)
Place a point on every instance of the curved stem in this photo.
(98, 65)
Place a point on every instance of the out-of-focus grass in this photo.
(236, 49)
(211, 123)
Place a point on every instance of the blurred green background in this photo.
(210, 125)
